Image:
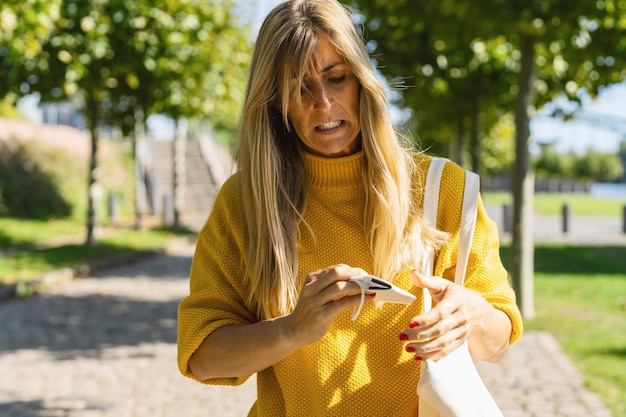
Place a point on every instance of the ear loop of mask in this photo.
(357, 310)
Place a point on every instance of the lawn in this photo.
(552, 204)
(18, 232)
(580, 297)
(28, 265)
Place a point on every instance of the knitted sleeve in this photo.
(485, 272)
(217, 293)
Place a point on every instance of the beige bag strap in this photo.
(468, 219)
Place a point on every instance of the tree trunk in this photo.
(455, 145)
(474, 139)
(140, 189)
(180, 169)
(522, 250)
(92, 185)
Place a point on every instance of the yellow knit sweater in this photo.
(359, 368)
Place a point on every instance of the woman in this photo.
(325, 192)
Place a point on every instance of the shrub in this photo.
(550, 164)
(598, 166)
(26, 189)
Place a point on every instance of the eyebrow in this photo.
(332, 65)
(327, 68)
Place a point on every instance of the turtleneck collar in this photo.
(326, 172)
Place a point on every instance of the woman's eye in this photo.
(337, 80)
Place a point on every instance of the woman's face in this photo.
(327, 118)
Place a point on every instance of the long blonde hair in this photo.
(272, 185)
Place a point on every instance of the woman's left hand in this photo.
(449, 324)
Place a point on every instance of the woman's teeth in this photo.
(330, 125)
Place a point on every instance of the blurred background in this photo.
(118, 118)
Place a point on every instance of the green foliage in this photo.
(65, 172)
(551, 164)
(120, 61)
(589, 166)
(177, 57)
(26, 189)
(24, 27)
(498, 147)
(7, 107)
(598, 166)
(432, 49)
(3, 206)
(459, 57)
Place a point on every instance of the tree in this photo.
(550, 164)
(534, 50)
(184, 59)
(434, 48)
(121, 59)
(202, 70)
(24, 27)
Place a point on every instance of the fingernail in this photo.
(372, 295)
(418, 358)
(413, 324)
(410, 349)
(404, 336)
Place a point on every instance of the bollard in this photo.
(624, 219)
(507, 218)
(114, 207)
(565, 223)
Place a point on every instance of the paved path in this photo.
(587, 230)
(105, 346)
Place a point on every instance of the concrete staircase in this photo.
(206, 170)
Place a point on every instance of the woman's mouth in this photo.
(331, 125)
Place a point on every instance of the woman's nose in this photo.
(321, 97)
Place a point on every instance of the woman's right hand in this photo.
(326, 293)
(237, 350)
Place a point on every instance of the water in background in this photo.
(613, 191)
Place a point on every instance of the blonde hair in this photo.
(272, 184)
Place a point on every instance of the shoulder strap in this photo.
(468, 218)
(468, 224)
(431, 190)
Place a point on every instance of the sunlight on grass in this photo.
(29, 265)
(16, 232)
(552, 204)
(580, 297)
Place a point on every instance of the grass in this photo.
(16, 232)
(552, 204)
(580, 298)
(28, 265)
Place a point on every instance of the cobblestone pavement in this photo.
(105, 346)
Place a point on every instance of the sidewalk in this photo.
(585, 231)
(105, 346)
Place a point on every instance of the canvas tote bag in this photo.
(452, 387)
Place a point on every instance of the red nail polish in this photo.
(372, 295)
(413, 324)
(404, 336)
(418, 358)
(410, 349)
